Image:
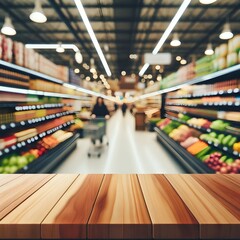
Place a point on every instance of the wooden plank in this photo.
(68, 219)
(227, 192)
(15, 192)
(216, 222)
(120, 211)
(170, 217)
(5, 178)
(24, 221)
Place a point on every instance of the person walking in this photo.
(100, 109)
(124, 108)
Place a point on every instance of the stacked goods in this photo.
(26, 134)
(185, 73)
(14, 162)
(6, 116)
(13, 79)
(199, 90)
(7, 45)
(168, 81)
(49, 125)
(221, 53)
(42, 85)
(7, 142)
(233, 51)
(8, 97)
(78, 124)
(31, 59)
(18, 53)
(204, 66)
(183, 132)
(225, 140)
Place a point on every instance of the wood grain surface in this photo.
(68, 219)
(45, 206)
(170, 217)
(24, 221)
(16, 191)
(5, 178)
(120, 211)
(216, 221)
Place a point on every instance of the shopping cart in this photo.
(96, 131)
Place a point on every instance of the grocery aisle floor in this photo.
(129, 151)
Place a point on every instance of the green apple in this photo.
(1, 169)
(13, 169)
(13, 161)
(22, 161)
(5, 162)
(7, 169)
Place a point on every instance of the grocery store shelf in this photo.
(228, 92)
(38, 93)
(192, 164)
(30, 72)
(34, 139)
(224, 104)
(52, 158)
(235, 123)
(228, 151)
(29, 122)
(222, 74)
(205, 130)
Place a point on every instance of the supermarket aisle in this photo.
(129, 151)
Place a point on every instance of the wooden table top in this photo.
(119, 206)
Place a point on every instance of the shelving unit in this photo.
(51, 158)
(170, 109)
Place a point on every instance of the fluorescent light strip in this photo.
(32, 72)
(92, 35)
(52, 46)
(169, 29)
(144, 68)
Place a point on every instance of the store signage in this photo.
(160, 58)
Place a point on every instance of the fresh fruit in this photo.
(219, 125)
(229, 160)
(13, 161)
(223, 158)
(22, 161)
(236, 147)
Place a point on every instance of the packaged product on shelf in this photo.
(222, 63)
(18, 53)
(232, 59)
(8, 97)
(236, 43)
(223, 50)
(7, 49)
(24, 135)
(9, 141)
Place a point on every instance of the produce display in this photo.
(196, 143)
(13, 163)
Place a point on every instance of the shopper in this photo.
(100, 109)
(124, 108)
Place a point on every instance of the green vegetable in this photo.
(203, 152)
(227, 139)
(205, 157)
(232, 141)
(229, 160)
(223, 158)
(213, 134)
(220, 137)
(203, 136)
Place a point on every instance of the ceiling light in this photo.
(92, 35)
(85, 66)
(175, 41)
(145, 76)
(78, 57)
(207, 1)
(108, 56)
(178, 58)
(226, 32)
(101, 76)
(95, 76)
(76, 70)
(157, 67)
(143, 80)
(92, 70)
(133, 75)
(88, 78)
(8, 28)
(123, 73)
(149, 76)
(183, 61)
(60, 48)
(133, 56)
(169, 29)
(209, 51)
(37, 14)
